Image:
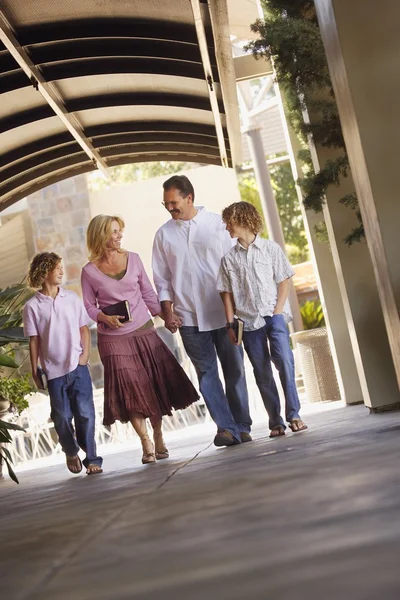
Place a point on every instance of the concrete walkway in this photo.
(310, 516)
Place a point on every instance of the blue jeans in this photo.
(256, 345)
(71, 397)
(230, 411)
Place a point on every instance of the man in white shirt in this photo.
(187, 254)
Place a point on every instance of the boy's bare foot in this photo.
(74, 464)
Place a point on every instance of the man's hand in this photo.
(172, 322)
(232, 337)
(83, 360)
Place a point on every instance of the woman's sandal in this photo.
(300, 426)
(163, 452)
(93, 469)
(277, 431)
(74, 464)
(148, 458)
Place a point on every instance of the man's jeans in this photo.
(230, 411)
(71, 397)
(256, 345)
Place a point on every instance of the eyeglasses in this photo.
(166, 204)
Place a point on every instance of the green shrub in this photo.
(312, 314)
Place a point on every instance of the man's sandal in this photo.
(74, 464)
(297, 425)
(93, 469)
(277, 431)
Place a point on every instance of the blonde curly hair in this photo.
(42, 264)
(98, 233)
(244, 215)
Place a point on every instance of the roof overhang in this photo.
(139, 81)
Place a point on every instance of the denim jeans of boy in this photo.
(228, 410)
(279, 351)
(71, 397)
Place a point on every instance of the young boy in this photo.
(56, 322)
(254, 284)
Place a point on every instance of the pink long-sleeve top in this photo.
(100, 290)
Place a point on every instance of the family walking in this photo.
(203, 279)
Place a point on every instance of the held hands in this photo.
(172, 322)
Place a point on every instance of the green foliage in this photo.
(13, 387)
(290, 35)
(288, 207)
(136, 172)
(15, 390)
(5, 438)
(312, 314)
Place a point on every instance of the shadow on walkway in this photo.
(313, 515)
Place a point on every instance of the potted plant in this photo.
(12, 389)
(5, 456)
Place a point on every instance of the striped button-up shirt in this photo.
(252, 275)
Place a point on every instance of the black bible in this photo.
(119, 308)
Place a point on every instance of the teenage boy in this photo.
(56, 323)
(254, 283)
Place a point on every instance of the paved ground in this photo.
(310, 516)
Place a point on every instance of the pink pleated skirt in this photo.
(141, 375)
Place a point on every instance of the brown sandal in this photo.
(299, 424)
(148, 458)
(279, 429)
(93, 469)
(163, 451)
(74, 461)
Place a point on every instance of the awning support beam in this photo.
(205, 57)
(49, 93)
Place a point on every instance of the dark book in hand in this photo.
(238, 328)
(119, 308)
(42, 378)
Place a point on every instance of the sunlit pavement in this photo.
(313, 515)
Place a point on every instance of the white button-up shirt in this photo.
(252, 275)
(186, 260)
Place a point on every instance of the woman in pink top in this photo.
(142, 378)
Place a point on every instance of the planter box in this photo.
(316, 365)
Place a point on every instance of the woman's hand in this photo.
(114, 321)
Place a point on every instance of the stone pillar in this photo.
(330, 290)
(362, 45)
(60, 215)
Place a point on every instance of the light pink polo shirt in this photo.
(56, 322)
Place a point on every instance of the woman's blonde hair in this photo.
(42, 264)
(98, 233)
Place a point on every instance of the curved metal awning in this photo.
(92, 84)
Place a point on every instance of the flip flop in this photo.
(73, 458)
(96, 467)
(302, 427)
(280, 429)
